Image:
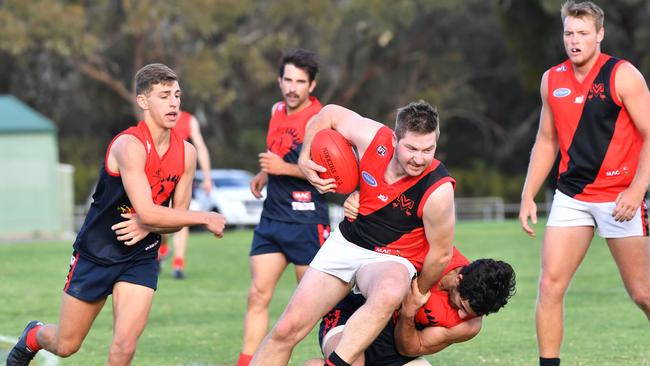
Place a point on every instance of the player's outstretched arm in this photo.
(128, 156)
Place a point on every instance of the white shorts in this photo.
(569, 212)
(342, 259)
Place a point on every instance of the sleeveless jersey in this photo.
(390, 215)
(599, 144)
(182, 127)
(96, 241)
(437, 311)
(292, 199)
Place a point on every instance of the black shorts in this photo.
(382, 351)
(89, 281)
(298, 242)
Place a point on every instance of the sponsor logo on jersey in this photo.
(382, 250)
(561, 92)
(381, 150)
(561, 68)
(72, 260)
(597, 90)
(613, 173)
(369, 179)
(150, 246)
(303, 206)
(404, 203)
(383, 197)
(301, 196)
(579, 99)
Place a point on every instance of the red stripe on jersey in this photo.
(71, 271)
(431, 190)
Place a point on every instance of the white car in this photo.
(230, 196)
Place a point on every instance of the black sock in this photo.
(335, 360)
(549, 361)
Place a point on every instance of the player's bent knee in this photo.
(123, 348)
(386, 300)
(258, 297)
(550, 287)
(641, 298)
(288, 332)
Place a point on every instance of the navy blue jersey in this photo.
(288, 198)
(96, 241)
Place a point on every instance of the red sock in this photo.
(163, 251)
(244, 359)
(32, 342)
(179, 263)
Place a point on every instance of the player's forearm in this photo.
(160, 230)
(435, 263)
(169, 218)
(407, 341)
(316, 123)
(641, 178)
(541, 162)
(292, 170)
(203, 158)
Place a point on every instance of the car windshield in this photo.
(231, 182)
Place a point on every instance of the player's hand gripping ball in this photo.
(331, 150)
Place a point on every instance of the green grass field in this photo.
(198, 321)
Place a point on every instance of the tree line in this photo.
(478, 61)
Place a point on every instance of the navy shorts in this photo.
(298, 242)
(382, 351)
(89, 281)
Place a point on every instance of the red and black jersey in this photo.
(183, 128)
(390, 215)
(438, 311)
(288, 198)
(96, 241)
(599, 144)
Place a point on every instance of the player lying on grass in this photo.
(425, 324)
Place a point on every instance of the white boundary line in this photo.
(48, 358)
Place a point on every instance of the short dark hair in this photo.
(152, 74)
(419, 117)
(487, 284)
(302, 59)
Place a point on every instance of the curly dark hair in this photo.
(487, 284)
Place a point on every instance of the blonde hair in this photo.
(582, 10)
